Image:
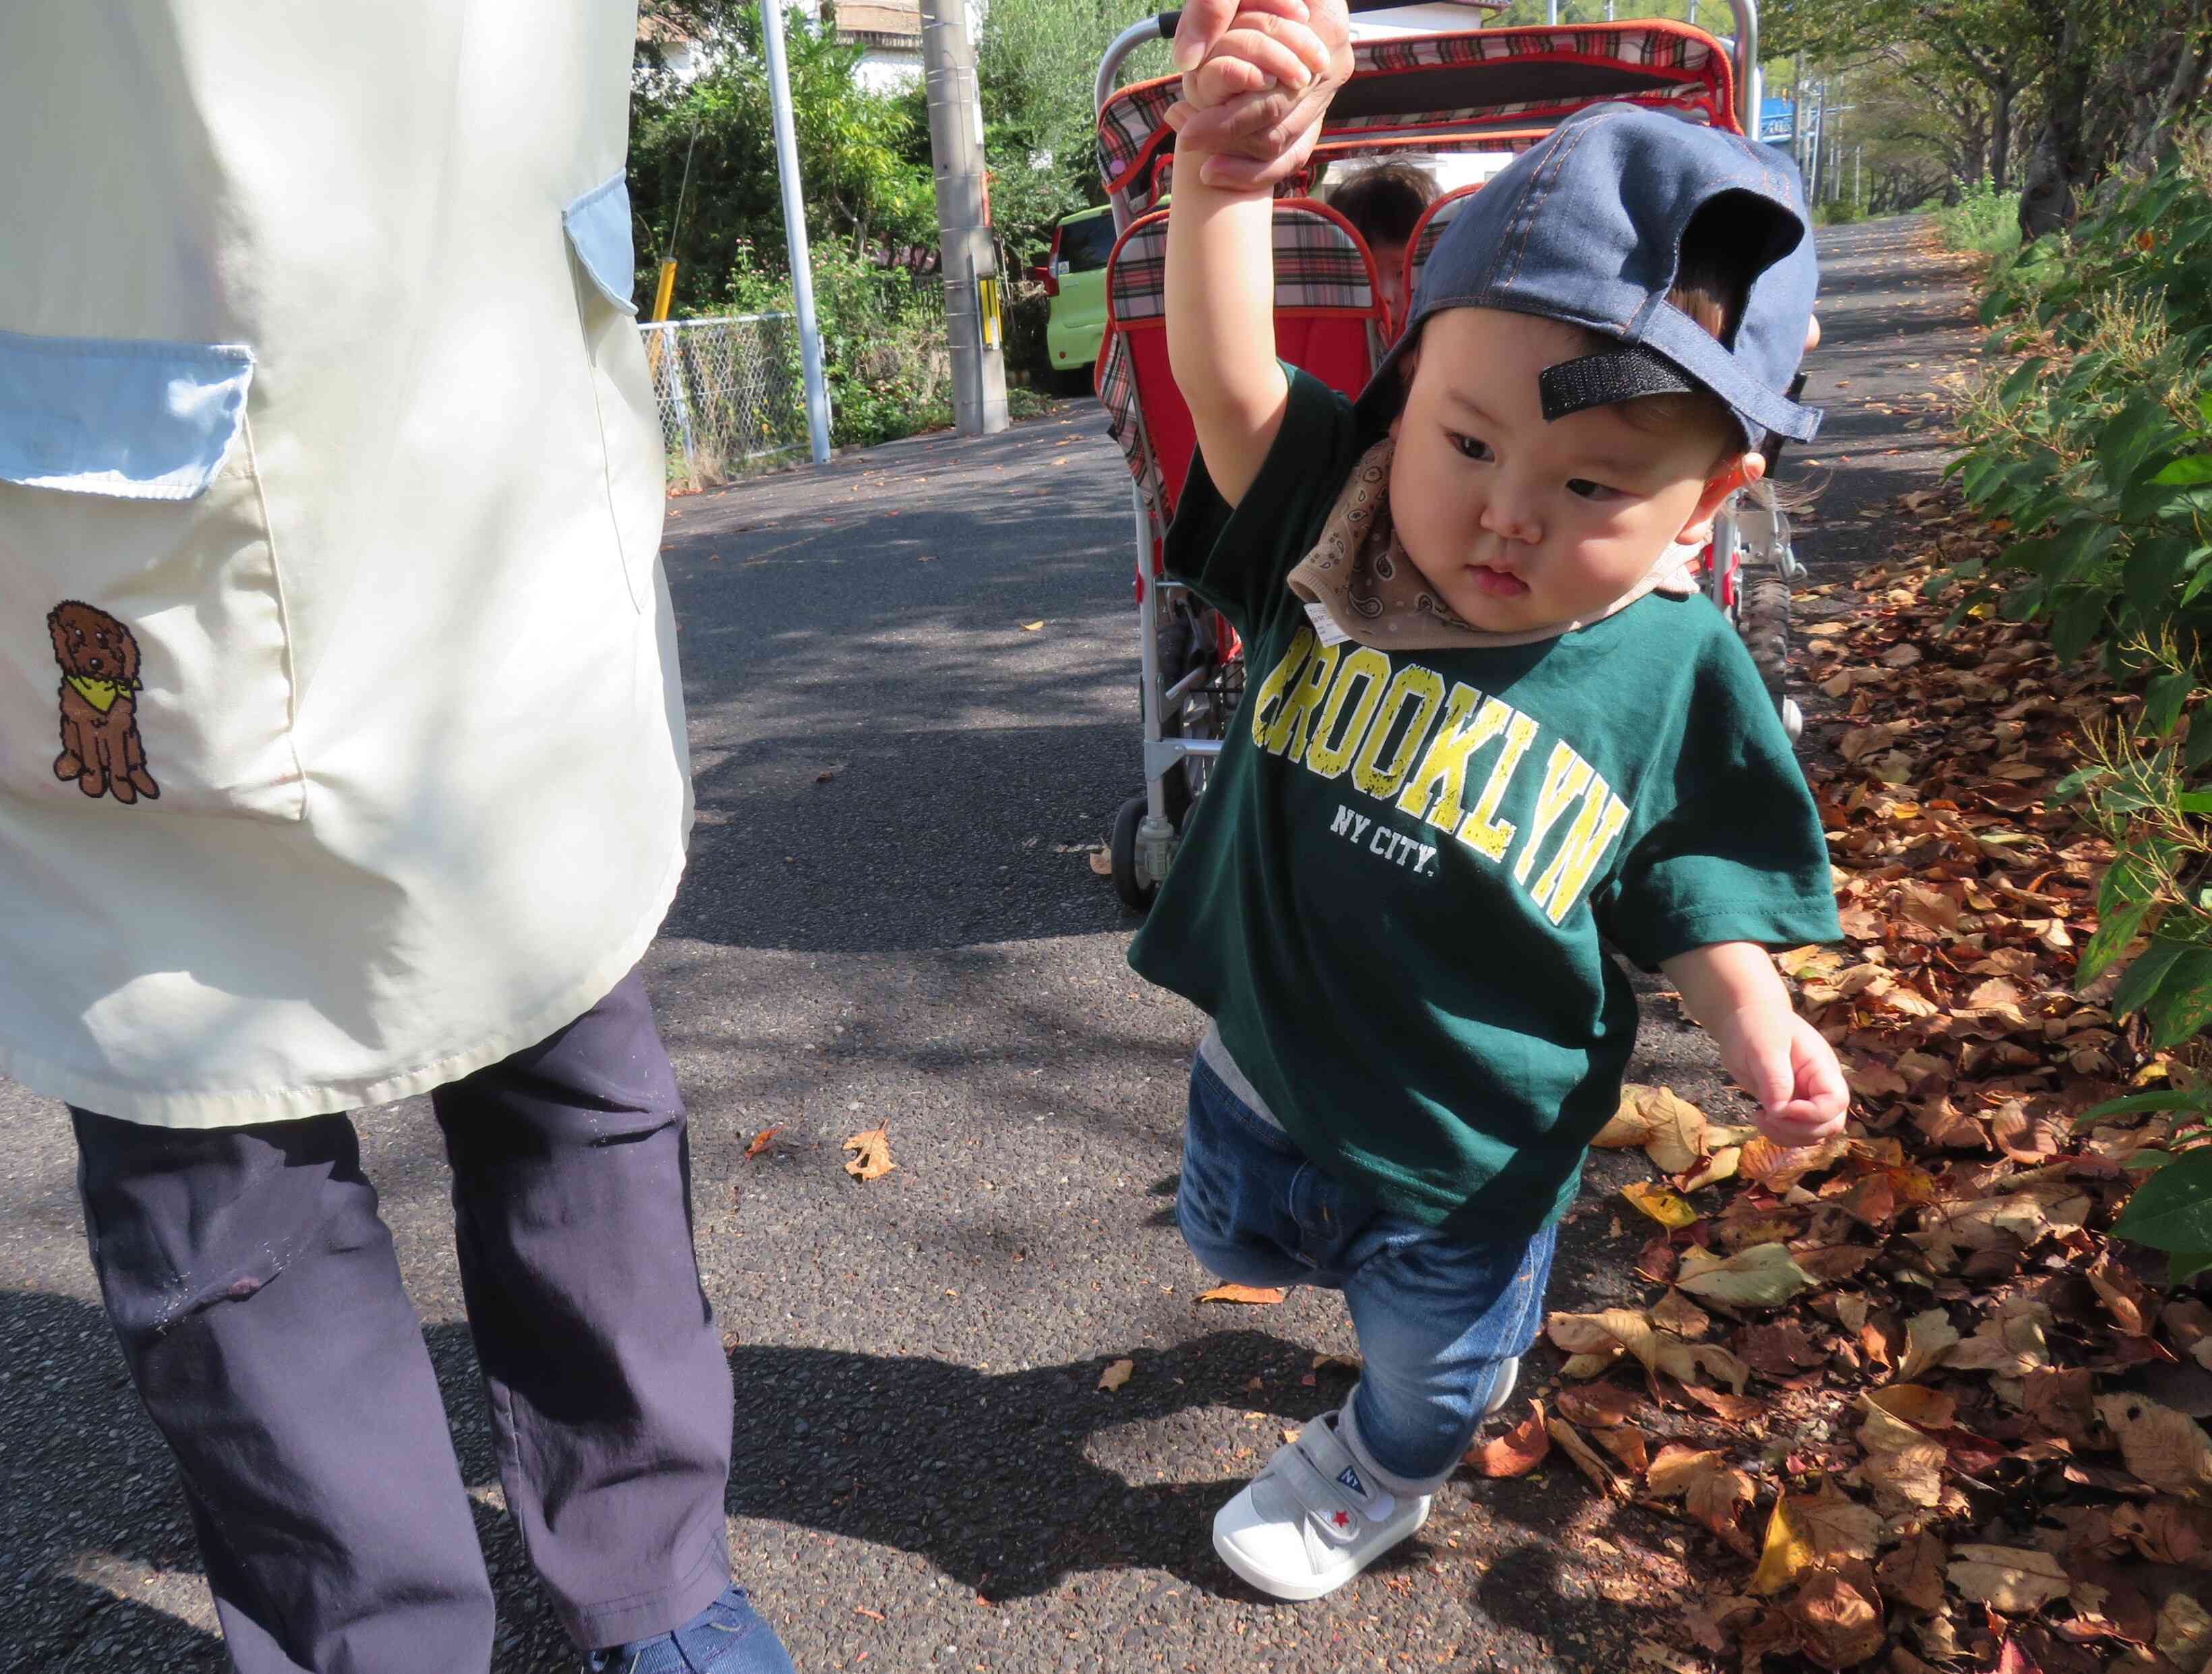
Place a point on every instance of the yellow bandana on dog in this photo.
(100, 694)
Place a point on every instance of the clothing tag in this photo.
(1325, 625)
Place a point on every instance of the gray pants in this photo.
(260, 1308)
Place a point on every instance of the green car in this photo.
(1075, 277)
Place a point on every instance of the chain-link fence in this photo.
(730, 391)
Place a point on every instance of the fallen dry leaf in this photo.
(1778, 1167)
(1116, 1374)
(1032, 627)
(2015, 1580)
(1671, 1129)
(1903, 1465)
(1595, 1339)
(1629, 1445)
(1912, 1573)
(2184, 1631)
(2167, 1449)
(1763, 1275)
(1835, 1527)
(1599, 1406)
(1666, 1207)
(1839, 1617)
(1251, 1296)
(1586, 1458)
(1783, 1554)
(1516, 1452)
(872, 1155)
(762, 1140)
(1928, 1337)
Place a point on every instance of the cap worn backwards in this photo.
(1588, 226)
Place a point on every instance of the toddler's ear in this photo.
(1736, 470)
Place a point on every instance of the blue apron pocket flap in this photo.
(599, 233)
(125, 417)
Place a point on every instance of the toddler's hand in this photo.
(1782, 1061)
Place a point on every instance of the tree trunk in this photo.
(2059, 164)
(2181, 90)
(2001, 98)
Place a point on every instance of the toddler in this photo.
(1491, 735)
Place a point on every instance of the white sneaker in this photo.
(1504, 1392)
(1310, 1522)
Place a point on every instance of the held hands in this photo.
(1257, 77)
(1782, 1061)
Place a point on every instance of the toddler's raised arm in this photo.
(1249, 113)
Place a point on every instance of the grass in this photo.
(1983, 220)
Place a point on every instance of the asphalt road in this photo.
(926, 1475)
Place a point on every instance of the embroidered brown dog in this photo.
(100, 709)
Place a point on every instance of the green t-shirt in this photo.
(1395, 897)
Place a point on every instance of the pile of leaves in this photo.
(1926, 1411)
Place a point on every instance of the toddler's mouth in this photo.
(1497, 583)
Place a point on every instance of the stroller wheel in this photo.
(1763, 622)
(1135, 890)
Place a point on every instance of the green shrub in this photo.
(884, 352)
(1984, 219)
(2096, 447)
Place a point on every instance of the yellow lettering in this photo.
(1565, 775)
(1286, 734)
(1278, 680)
(1425, 688)
(1335, 738)
(1484, 832)
(1593, 833)
(1435, 792)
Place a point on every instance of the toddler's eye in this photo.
(1473, 447)
(1585, 489)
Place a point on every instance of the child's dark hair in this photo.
(1384, 203)
(1708, 287)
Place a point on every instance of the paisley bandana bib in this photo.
(1359, 574)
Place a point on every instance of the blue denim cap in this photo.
(1587, 228)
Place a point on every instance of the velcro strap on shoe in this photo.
(1328, 1502)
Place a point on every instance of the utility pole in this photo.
(1797, 109)
(1810, 162)
(972, 331)
(1835, 171)
(794, 233)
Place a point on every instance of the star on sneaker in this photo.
(1308, 1523)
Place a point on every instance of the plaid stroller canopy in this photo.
(1443, 90)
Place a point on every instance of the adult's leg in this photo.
(1441, 1324)
(254, 1292)
(608, 1390)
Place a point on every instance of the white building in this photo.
(888, 32)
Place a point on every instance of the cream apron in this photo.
(341, 744)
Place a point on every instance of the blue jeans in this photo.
(1439, 1319)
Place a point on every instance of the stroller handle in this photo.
(1163, 26)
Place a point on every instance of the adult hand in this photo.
(1257, 109)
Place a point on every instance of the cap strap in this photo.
(1613, 375)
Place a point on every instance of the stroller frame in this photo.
(1750, 567)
